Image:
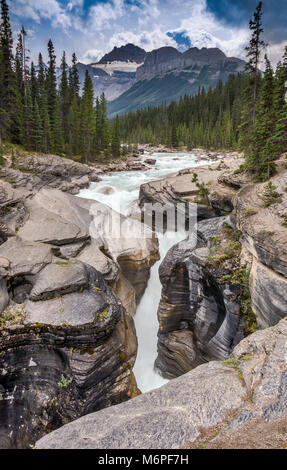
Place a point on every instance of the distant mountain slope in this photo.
(166, 75)
(115, 72)
(131, 78)
(112, 83)
(127, 53)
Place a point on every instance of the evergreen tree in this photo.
(98, 133)
(34, 84)
(51, 89)
(28, 119)
(174, 136)
(280, 105)
(116, 142)
(260, 159)
(36, 129)
(74, 118)
(64, 98)
(104, 125)
(254, 50)
(18, 128)
(74, 81)
(7, 97)
(41, 77)
(74, 141)
(56, 130)
(87, 119)
(46, 140)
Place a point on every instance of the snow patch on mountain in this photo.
(118, 66)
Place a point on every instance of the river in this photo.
(125, 188)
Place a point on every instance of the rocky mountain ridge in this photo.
(126, 53)
(131, 78)
(166, 59)
(168, 74)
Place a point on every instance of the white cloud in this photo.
(48, 10)
(148, 40)
(75, 4)
(92, 55)
(204, 30)
(103, 14)
(142, 22)
(275, 52)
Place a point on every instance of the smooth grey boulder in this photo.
(18, 257)
(58, 278)
(65, 221)
(162, 419)
(81, 227)
(93, 255)
(237, 401)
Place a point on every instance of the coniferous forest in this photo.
(41, 115)
(248, 113)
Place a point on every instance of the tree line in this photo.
(248, 113)
(39, 114)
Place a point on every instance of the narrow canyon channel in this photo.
(124, 187)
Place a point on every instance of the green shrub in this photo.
(249, 212)
(270, 195)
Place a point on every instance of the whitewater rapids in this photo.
(124, 187)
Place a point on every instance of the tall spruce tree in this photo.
(104, 126)
(260, 159)
(116, 142)
(64, 99)
(254, 50)
(46, 140)
(87, 119)
(18, 128)
(280, 105)
(253, 53)
(7, 84)
(74, 81)
(74, 118)
(51, 89)
(174, 135)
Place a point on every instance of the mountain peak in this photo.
(210, 54)
(126, 53)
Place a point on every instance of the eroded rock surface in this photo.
(216, 178)
(199, 314)
(66, 351)
(67, 336)
(204, 309)
(219, 404)
(265, 237)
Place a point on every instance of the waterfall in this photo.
(124, 186)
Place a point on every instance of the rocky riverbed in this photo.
(67, 298)
(69, 292)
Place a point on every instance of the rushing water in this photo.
(124, 187)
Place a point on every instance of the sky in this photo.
(93, 27)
